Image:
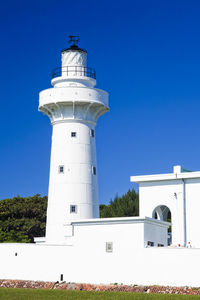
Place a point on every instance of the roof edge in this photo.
(162, 177)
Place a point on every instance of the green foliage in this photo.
(125, 206)
(22, 219)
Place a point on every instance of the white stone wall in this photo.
(170, 193)
(90, 264)
(153, 194)
(156, 234)
(132, 232)
(192, 191)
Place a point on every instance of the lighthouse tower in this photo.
(73, 106)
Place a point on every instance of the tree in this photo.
(22, 219)
(125, 206)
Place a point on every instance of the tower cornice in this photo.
(74, 111)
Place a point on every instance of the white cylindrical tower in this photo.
(73, 106)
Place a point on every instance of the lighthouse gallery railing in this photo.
(74, 71)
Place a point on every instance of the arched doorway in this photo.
(163, 213)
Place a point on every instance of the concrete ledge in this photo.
(119, 220)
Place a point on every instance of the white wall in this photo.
(170, 193)
(85, 258)
(133, 232)
(96, 236)
(155, 233)
(153, 194)
(192, 192)
(90, 264)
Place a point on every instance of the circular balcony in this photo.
(73, 71)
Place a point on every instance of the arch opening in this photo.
(163, 213)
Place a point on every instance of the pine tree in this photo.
(125, 206)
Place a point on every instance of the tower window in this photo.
(94, 171)
(92, 132)
(73, 134)
(73, 209)
(61, 169)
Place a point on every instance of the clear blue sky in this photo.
(147, 56)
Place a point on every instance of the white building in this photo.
(81, 247)
(176, 194)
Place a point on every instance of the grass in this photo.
(31, 294)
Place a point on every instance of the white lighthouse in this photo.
(73, 106)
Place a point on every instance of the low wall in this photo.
(89, 264)
(94, 287)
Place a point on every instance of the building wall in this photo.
(157, 234)
(192, 192)
(90, 264)
(86, 258)
(171, 194)
(154, 194)
(131, 232)
(121, 235)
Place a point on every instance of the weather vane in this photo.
(74, 39)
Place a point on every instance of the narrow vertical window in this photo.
(92, 132)
(94, 171)
(73, 209)
(61, 169)
(73, 134)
